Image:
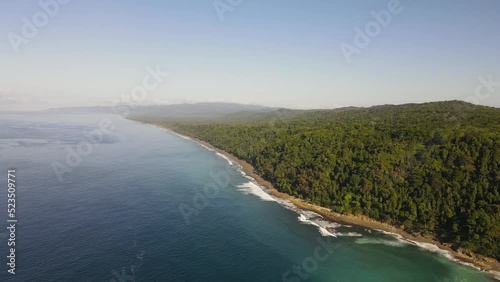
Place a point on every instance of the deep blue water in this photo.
(117, 215)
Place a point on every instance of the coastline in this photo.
(467, 258)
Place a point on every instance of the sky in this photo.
(285, 53)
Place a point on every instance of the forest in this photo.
(431, 168)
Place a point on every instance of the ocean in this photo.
(102, 198)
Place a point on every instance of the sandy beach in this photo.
(465, 257)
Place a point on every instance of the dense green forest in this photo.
(431, 168)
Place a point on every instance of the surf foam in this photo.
(308, 220)
(206, 147)
(377, 241)
(224, 157)
(254, 189)
(348, 234)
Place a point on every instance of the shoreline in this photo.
(479, 262)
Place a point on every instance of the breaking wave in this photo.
(224, 157)
(250, 188)
(317, 220)
(378, 241)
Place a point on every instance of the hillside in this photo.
(429, 168)
(195, 111)
(206, 111)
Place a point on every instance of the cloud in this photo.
(10, 100)
(7, 98)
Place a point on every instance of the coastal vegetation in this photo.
(432, 168)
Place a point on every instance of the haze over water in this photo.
(116, 216)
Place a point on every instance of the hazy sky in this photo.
(275, 52)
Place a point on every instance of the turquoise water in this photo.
(143, 204)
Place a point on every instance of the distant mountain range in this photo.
(176, 111)
(232, 112)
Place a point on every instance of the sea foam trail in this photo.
(224, 157)
(427, 246)
(322, 229)
(495, 274)
(173, 132)
(203, 145)
(206, 147)
(395, 235)
(379, 241)
(348, 234)
(253, 189)
(306, 217)
(433, 248)
(325, 232)
(181, 136)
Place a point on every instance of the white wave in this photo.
(247, 177)
(427, 246)
(433, 248)
(379, 241)
(188, 138)
(318, 220)
(325, 232)
(287, 204)
(302, 218)
(244, 174)
(327, 223)
(322, 229)
(159, 127)
(396, 236)
(349, 234)
(495, 274)
(206, 147)
(226, 158)
(254, 189)
(311, 214)
(182, 136)
(171, 131)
